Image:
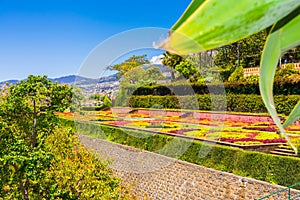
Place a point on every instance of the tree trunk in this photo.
(34, 133)
(24, 189)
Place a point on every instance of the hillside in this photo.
(73, 80)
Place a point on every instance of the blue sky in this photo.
(54, 37)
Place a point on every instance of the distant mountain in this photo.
(9, 82)
(111, 78)
(73, 80)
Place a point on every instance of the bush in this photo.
(75, 173)
(275, 169)
(232, 102)
(281, 87)
(93, 108)
(237, 75)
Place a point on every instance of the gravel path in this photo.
(126, 158)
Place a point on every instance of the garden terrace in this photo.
(245, 131)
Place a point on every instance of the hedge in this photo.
(232, 102)
(93, 108)
(281, 87)
(274, 169)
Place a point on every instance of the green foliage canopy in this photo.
(129, 64)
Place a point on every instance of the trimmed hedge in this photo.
(235, 103)
(281, 87)
(274, 169)
(93, 108)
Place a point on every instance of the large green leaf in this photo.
(289, 38)
(188, 12)
(295, 114)
(279, 41)
(290, 34)
(215, 23)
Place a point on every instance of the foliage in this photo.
(247, 50)
(249, 86)
(146, 75)
(253, 79)
(187, 70)
(244, 19)
(40, 161)
(281, 39)
(106, 102)
(96, 97)
(205, 26)
(91, 108)
(137, 77)
(75, 173)
(261, 166)
(182, 65)
(237, 75)
(291, 56)
(129, 64)
(288, 71)
(234, 102)
(28, 115)
(21, 167)
(77, 98)
(171, 60)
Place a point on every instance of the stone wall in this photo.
(160, 177)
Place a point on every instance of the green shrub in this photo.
(275, 169)
(232, 102)
(93, 108)
(282, 86)
(237, 74)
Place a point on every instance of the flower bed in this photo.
(232, 128)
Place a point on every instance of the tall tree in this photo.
(27, 115)
(247, 50)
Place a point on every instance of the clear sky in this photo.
(54, 37)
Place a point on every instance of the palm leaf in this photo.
(213, 23)
(279, 41)
(295, 114)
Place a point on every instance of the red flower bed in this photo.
(182, 131)
(118, 123)
(269, 129)
(266, 141)
(252, 135)
(293, 128)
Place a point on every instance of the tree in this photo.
(27, 112)
(96, 97)
(139, 76)
(171, 60)
(247, 50)
(288, 71)
(153, 74)
(77, 98)
(182, 65)
(291, 56)
(129, 64)
(187, 70)
(145, 75)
